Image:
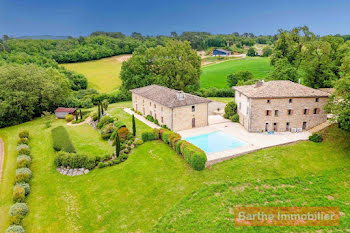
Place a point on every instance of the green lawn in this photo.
(154, 183)
(222, 99)
(102, 75)
(215, 75)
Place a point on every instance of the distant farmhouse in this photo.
(175, 109)
(221, 52)
(61, 113)
(280, 106)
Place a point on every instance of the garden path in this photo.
(87, 120)
(141, 118)
(2, 156)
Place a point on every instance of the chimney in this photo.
(259, 84)
(180, 95)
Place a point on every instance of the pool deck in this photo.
(255, 141)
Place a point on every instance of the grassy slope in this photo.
(133, 196)
(103, 74)
(215, 75)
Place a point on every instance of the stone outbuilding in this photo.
(175, 109)
(280, 105)
(61, 113)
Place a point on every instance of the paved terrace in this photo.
(255, 141)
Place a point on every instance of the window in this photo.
(306, 111)
(268, 101)
(266, 126)
(275, 126)
(304, 125)
(317, 99)
(193, 108)
(268, 112)
(290, 100)
(316, 111)
(290, 111)
(155, 106)
(162, 120)
(150, 113)
(276, 113)
(287, 126)
(155, 116)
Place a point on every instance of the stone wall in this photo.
(183, 116)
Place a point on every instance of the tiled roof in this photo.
(223, 50)
(69, 110)
(279, 89)
(168, 97)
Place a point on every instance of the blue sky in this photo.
(78, 17)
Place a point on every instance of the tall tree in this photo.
(117, 145)
(133, 125)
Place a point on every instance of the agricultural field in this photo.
(103, 74)
(215, 75)
(156, 190)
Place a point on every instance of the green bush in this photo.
(156, 134)
(104, 120)
(15, 229)
(26, 187)
(108, 128)
(23, 149)
(123, 157)
(23, 141)
(61, 140)
(198, 160)
(23, 175)
(147, 136)
(119, 124)
(150, 118)
(24, 134)
(178, 145)
(23, 161)
(173, 138)
(102, 165)
(17, 212)
(19, 194)
(69, 117)
(74, 160)
(106, 136)
(230, 110)
(165, 136)
(235, 118)
(94, 116)
(138, 142)
(316, 138)
(193, 155)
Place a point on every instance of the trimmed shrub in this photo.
(150, 118)
(102, 165)
(147, 136)
(23, 141)
(119, 124)
(138, 142)
(123, 157)
(23, 161)
(26, 187)
(178, 145)
(19, 194)
(193, 155)
(316, 138)
(23, 149)
(173, 138)
(17, 212)
(15, 229)
(165, 136)
(61, 140)
(104, 120)
(106, 136)
(234, 118)
(69, 117)
(230, 110)
(156, 134)
(123, 132)
(74, 160)
(23, 175)
(24, 134)
(108, 128)
(198, 160)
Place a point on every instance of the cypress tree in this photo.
(99, 111)
(117, 145)
(76, 115)
(81, 115)
(101, 108)
(133, 125)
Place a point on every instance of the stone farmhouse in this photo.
(175, 109)
(280, 106)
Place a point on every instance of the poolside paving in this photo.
(255, 141)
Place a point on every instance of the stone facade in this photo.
(280, 114)
(177, 118)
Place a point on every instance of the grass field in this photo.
(215, 75)
(222, 99)
(102, 75)
(155, 186)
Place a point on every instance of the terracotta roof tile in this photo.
(167, 96)
(279, 89)
(69, 110)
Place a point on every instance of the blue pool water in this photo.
(215, 141)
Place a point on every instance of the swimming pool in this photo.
(215, 142)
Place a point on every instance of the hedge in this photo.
(23, 175)
(23, 141)
(17, 212)
(61, 140)
(24, 134)
(75, 160)
(15, 229)
(23, 149)
(316, 138)
(148, 136)
(23, 161)
(26, 187)
(193, 155)
(19, 194)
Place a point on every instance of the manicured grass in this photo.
(133, 196)
(215, 75)
(222, 99)
(102, 75)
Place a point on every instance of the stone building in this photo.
(280, 106)
(175, 109)
(61, 113)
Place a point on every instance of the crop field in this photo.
(215, 75)
(103, 74)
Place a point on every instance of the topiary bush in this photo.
(23, 141)
(234, 118)
(147, 136)
(138, 142)
(165, 136)
(23, 175)
(74, 160)
(23, 161)
(173, 138)
(26, 187)
(19, 194)
(24, 134)
(178, 145)
(316, 138)
(156, 134)
(230, 110)
(17, 212)
(69, 117)
(193, 155)
(15, 229)
(150, 118)
(61, 140)
(23, 149)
